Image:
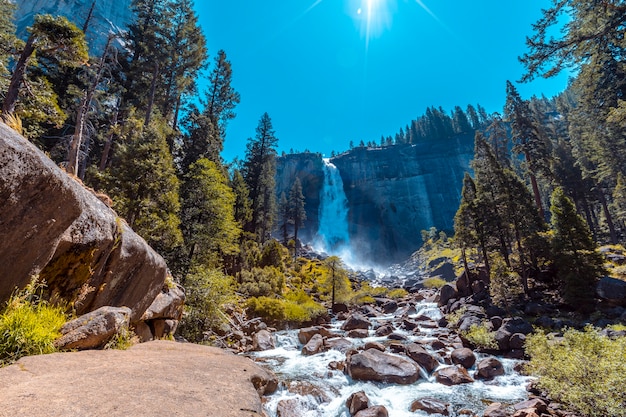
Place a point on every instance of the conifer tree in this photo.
(8, 40)
(243, 206)
(259, 169)
(284, 217)
(221, 97)
(296, 209)
(576, 258)
(209, 228)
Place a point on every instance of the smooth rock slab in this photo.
(374, 365)
(159, 378)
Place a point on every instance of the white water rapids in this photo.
(289, 365)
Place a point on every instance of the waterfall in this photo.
(333, 215)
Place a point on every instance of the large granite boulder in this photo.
(263, 340)
(93, 330)
(422, 357)
(356, 321)
(314, 346)
(453, 375)
(374, 365)
(356, 402)
(612, 290)
(464, 357)
(306, 333)
(375, 411)
(53, 226)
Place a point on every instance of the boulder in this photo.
(384, 330)
(376, 411)
(489, 368)
(168, 304)
(496, 410)
(422, 357)
(356, 402)
(375, 345)
(453, 375)
(356, 321)
(291, 407)
(340, 308)
(359, 333)
(305, 334)
(612, 290)
(374, 365)
(304, 388)
(431, 406)
(447, 293)
(338, 343)
(315, 345)
(53, 226)
(517, 341)
(464, 357)
(263, 340)
(536, 404)
(93, 330)
(390, 307)
(164, 328)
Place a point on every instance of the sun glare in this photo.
(375, 17)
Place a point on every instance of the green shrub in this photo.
(397, 293)
(454, 317)
(285, 311)
(585, 370)
(124, 339)
(480, 336)
(207, 290)
(28, 325)
(434, 282)
(259, 282)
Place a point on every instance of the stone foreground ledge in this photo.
(158, 378)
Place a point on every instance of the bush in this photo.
(298, 308)
(207, 290)
(435, 282)
(585, 370)
(28, 325)
(397, 293)
(480, 336)
(264, 282)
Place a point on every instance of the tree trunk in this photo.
(609, 218)
(537, 194)
(10, 100)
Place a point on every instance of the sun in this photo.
(375, 17)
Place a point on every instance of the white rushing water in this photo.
(333, 213)
(331, 388)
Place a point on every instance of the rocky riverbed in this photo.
(389, 358)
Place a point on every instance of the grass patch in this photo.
(583, 369)
(434, 282)
(481, 337)
(28, 325)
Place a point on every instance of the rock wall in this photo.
(108, 16)
(394, 192)
(52, 226)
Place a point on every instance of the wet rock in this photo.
(447, 293)
(356, 321)
(370, 311)
(359, 333)
(93, 330)
(464, 357)
(496, 410)
(307, 389)
(292, 407)
(314, 346)
(431, 406)
(384, 330)
(376, 411)
(397, 336)
(374, 365)
(338, 343)
(337, 366)
(390, 307)
(536, 404)
(528, 412)
(305, 334)
(264, 382)
(356, 402)
(489, 368)
(422, 357)
(437, 345)
(453, 375)
(263, 340)
(375, 345)
(340, 308)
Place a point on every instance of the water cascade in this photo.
(333, 227)
(327, 390)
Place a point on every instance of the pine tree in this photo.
(296, 209)
(221, 97)
(284, 217)
(499, 139)
(8, 40)
(209, 228)
(259, 170)
(243, 206)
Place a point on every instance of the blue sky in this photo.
(333, 71)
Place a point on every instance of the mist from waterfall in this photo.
(333, 236)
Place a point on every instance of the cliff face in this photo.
(393, 193)
(108, 16)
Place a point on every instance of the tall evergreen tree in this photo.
(221, 97)
(259, 169)
(296, 209)
(577, 260)
(8, 40)
(284, 217)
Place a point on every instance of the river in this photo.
(328, 389)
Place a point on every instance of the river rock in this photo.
(431, 406)
(464, 357)
(384, 330)
(374, 365)
(390, 307)
(93, 330)
(376, 411)
(305, 334)
(359, 333)
(453, 375)
(315, 345)
(536, 404)
(356, 321)
(517, 341)
(292, 407)
(447, 293)
(357, 401)
(375, 345)
(496, 410)
(422, 357)
(304, 388)
(338, 343)
(489, 368)
(263, 340)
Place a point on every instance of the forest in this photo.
(130, 120)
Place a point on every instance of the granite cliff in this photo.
(393, 192)
(108, 16)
